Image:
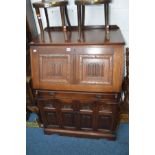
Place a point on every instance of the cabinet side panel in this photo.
(118, 68)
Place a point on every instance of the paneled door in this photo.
(98, 68)
(51, 66)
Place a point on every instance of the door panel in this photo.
(67, 113)
(49, 109)
(54, 68)
(106, 114)
(51, 66)
(95, 66)
(87, 114)
(104, 122)
(99, 68)
(96, 69)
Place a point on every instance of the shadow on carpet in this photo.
(39, 144)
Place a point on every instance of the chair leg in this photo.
(106, 13)
(67, 17)
(83, 16)
(62, 11)
(39, 19)
(47, 19)
(79, 21)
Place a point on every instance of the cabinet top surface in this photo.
(90, 36)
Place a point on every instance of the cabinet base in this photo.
(84, 134)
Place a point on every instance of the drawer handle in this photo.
(68, 49)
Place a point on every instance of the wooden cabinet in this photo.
(77, 85)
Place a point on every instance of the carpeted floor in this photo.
(39, 144)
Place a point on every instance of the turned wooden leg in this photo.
(48, 25)
(62, 11)
(79, 21)
(47, 19)
(39, 19)
(83, 16)
(83, 23)
(67, 18)
(106, 13)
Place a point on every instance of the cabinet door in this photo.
(87, 114)
(51, 66)
(99, 68)
(106, 116)
(67, 113)
(49, 109)
(58, 113)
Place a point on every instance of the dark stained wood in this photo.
(52, 68)
(76, 95)
(79, 21)
(46, 4)
(62, 12)
(76, 133)
(67, 17)
(83, 16)
(93, 36)
(78, 84)
(81, 13)
(47, 18)
(91, 2)
(74, 28)
(94, 113)
(39, 18)
(106, 16)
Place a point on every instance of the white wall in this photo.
(119, 15)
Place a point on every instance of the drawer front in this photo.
(49, 109)
(78, 95)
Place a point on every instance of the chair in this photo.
(53, 3)
(81, 12)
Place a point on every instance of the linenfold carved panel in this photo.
(96, 69)
(54, 68)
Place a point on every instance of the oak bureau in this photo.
(77, 84)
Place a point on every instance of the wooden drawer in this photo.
(78, 95)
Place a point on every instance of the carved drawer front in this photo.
(106, 115)
(104, 122)
(79, 95)
(79, 111)
(49, 109)
(68, 117)
(87, 114)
